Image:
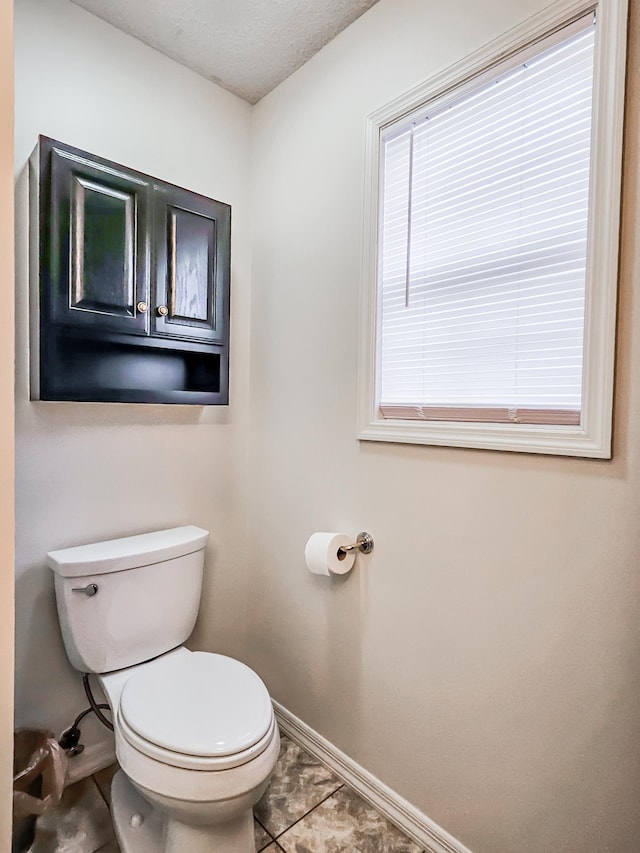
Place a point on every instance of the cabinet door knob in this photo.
(142, 307)
(162, 310)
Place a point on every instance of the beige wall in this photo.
(86, 472)
(484, 664)
(6, 424)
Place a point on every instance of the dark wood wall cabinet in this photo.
(131, 302)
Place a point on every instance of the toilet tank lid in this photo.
(130, 552)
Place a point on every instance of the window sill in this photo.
(518, 438)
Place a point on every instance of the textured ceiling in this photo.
(247, 46)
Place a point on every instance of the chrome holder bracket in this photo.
(363, 543)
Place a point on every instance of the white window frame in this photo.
(592, 438)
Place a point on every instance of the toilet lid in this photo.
(198, 704)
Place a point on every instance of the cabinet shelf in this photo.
(120, 371)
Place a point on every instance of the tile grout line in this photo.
(93, 779)
(306, 814)
(108, 805)
(277, 838)
(271, 838)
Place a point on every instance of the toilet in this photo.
(195, 733)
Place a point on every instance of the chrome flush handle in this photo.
(90, 589)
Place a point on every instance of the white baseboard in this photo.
(95, 757)
(395, 808)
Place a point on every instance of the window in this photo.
(495, 267)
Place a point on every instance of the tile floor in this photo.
(305, 810)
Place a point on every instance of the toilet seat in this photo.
(198, 711)
(193, 762)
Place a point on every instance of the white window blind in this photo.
(483, 244)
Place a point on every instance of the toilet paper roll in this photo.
(323, 556)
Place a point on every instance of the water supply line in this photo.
(94, 705)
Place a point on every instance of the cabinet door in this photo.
(192, 237)
(96, 266)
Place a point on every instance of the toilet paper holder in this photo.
(363, 543)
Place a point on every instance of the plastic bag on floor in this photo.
(39, 767)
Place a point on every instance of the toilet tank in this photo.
(125, 601)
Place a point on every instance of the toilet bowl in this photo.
(195, 733)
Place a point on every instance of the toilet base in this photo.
(140, 828)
